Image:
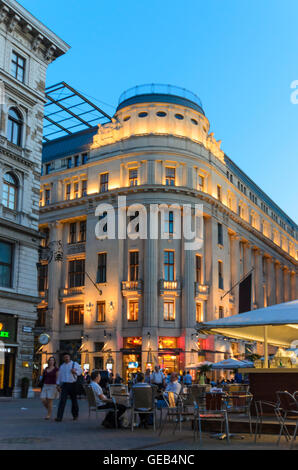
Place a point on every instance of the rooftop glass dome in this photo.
(162, 94)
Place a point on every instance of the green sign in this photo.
(4, 334)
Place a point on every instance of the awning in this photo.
(232, 364)
(281, 321)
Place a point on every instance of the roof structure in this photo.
(68, 112)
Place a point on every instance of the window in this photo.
(48, 168)
(126, 118)
(194, 121)
(75, 315)
(10, 191)
(14, 129)
(133, 177)
(133, 265)
(101, 311)
(73, 232)
(67, 191)
(198, 269)
(6, 252)
(102, 268)
(170, 176)
(84, 188)
(40, 198)
(69, 163)
(76, 273)
(76, 190)
(76, 160)
(169, 265)
(219, 192)
(42, 278)
(169, 222)
(47, 196)
(179, 116)
(199, 313)
(84, 158)
(220, 312)
(201, 183)
(83, 231)
(168, 310)
(161, 114)
(104, 182)
(133, 310)
(220, 275)
(18, 67)
(143, 114)
(41, 317)
(219, 234)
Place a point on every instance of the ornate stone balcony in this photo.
(71, 291)
(169, 287)
(132, 287)
(201, 290)
(74, 248)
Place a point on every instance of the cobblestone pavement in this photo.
(23, 427)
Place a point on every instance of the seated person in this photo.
(145, 418)
(103, 402)
(174, 386)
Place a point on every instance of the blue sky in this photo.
(239, 56)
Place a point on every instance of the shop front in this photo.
(170, 356)
(8, 352)
(131, 357)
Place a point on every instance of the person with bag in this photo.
(48, 386)
(67, 384)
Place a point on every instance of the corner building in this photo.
(152, 293)
(27, 47)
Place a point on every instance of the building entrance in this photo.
(7, 373)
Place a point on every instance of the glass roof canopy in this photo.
(67, 111)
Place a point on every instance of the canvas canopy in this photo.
(276, 325)
(232, 364)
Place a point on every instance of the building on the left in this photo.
(27, 47)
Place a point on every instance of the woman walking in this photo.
(49, 390)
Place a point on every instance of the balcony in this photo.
(169, 287)
(43, 295)
(74, 248)
(132, 287)
(201, 290)
(71, 292)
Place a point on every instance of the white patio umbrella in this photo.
(198, 365)
(276, 325)
(231, 364)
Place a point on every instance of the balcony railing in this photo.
(128, 287)
(173, 287)
(201, 289)
(74, 248)
(71, 291)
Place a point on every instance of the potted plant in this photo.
(24, 387)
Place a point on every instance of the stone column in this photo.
(278, 283)
(258, 281)
(286, 284)
(150, 172)
(293, 286)
(235, 265)
(271, 295)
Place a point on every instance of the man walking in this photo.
(66, 384)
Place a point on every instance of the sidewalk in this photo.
(23, 427)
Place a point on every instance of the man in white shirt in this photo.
(66, 384)
(158, 377)
(103, 402)
(174, 386)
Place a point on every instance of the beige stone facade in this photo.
(26, 49)
(156, 150)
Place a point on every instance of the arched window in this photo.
(15, 124)
(10, 191)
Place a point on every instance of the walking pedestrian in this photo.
(49, 389)
(66, 382)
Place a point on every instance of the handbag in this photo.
(80, 382)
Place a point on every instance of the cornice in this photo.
(21, 91)
(14, 155)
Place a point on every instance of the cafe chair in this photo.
(91, 400)
(215, 410)
(287, 409)
(143, 402)
(239, 403)
(261, 407)
(177, 409)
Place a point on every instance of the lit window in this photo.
(15, 124)
(170, 176)
(221, 312)
(76, 190)
(101, 311)
(133, 177)
(133, 310)
(18, 67)
(10, 191)
(75, 315)
(201, 183)
(219, 192)
(76, 273)
(169, 310)
(67, 191)
(104, 182)
(199, 313)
